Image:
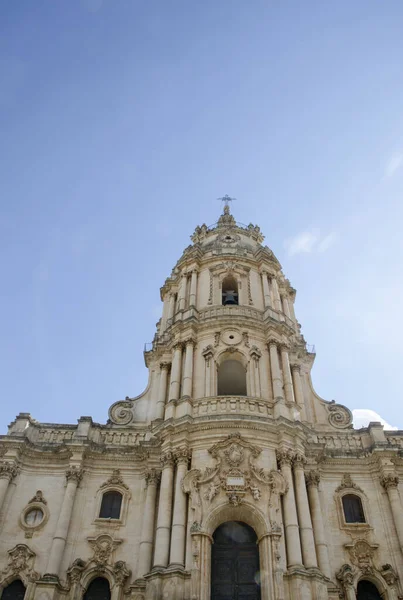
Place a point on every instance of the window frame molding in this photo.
(343, 524)
(126, 496)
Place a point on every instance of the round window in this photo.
(33, 517)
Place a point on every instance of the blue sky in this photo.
(123, 120)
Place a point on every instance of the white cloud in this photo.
(394, 164)
(363, 416)
(308, 242)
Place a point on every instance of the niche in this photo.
(229, 289)
(231, 378)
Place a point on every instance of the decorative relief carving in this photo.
(339, 416)
(210, 298)
(362, 555)
(121, 572)
(285, 457)
(8, 471)
(103, 547)
(182, 455)
(121, 412)
(255, 353)
(152, 477)
(346, 576)
(245, 339)
(389, 480)
(347, 483)
(389, 574)
(167, 459)
(38, 498)
(20, 562)
(115, 479)
(75, 474)
(234, 455)
(312, 478)
(208, 353)
(74, 573)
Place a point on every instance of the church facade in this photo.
(228, 478)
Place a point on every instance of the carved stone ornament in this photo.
(121, 572)
(121, 412)
(75, 474)
(74, 573)
(233, 479)
(38, 498)
(339, 416)
(182, 455)
(389, 480)
(20, 562)
(208, 353)
(285, 456)
(103, 546)
(389, 574)
(167, 459)
(346, 576)
(362, 555)
(115, 479)
(348, 483)
(152, 477)
(312, 478)
(8, 470)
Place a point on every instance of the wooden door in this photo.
(235, 563)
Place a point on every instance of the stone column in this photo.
(298, 392)
(193, 288)
(178, 534)
(312, 481)
(286, 307)
(276, 294)
(182, 292)
(275, 372)
(255, 355)
(163, 532)
(266, 290)
(304, 515)
(7, 473)
(288, 390)
(251, 391)
(346, 577)
(293, 544)
(208, 354)
(176, 372)
(188, 375)
(390, 482)
(164, 315)
(171, 309)
(73, 475)
(148, 516)
(162, 391)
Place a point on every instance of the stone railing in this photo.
(230, 311)
(342, 442)
(53, 435)
(119, 438)
(239, 405)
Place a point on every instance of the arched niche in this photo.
(368, 590)
(231, 378)
(98, 589)
(229, 290)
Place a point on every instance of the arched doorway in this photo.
(235, 563)
(14, 591)
(366, 590)
(98, 590)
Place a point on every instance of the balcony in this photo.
(231, 405)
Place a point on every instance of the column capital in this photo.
(312, 478)
(284, 457)
(167, 459)
(152, 477)
(74, 474)
(273, 342)
(182, 455)
(295, 367)
(208, 352)
(190, 341)
(165, 365)
(389, 480)
(299, 461)
(8, 471)
(177, 346)
(255, 353)
(285, 346)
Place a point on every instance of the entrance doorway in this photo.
(367, 591)
(235, 563)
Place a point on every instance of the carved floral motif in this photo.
(8, 470)
(312, 478)
(75, 474)
(152, 477)
(20, 561)
(389, 480)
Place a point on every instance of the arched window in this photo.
(98, 590)
(353, 510)
(14, 591)
(111, 505)
(231, 378)
(229, 291)
(366, 590)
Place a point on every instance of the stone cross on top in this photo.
(226, 199)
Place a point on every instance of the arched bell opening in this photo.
(229, 289)
(366, 590)
(235, 571)
(231, 378)
(98, 589)
(14, 591)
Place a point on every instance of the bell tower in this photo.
(228, 342)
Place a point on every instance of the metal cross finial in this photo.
(226, 199)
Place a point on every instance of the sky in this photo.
(123, 121)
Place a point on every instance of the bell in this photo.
(229, 297)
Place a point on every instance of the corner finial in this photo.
(226, 199)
